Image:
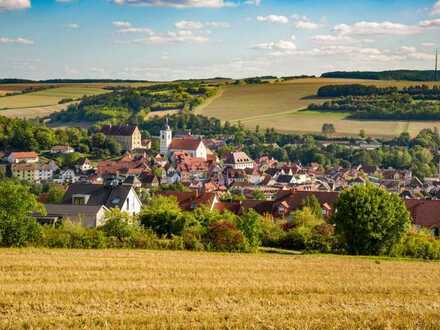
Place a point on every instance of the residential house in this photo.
(29, 157)
(84, 165)
(62, 149)
(238, 161)
(90, 216)
(33, 172)
(123, 197)
(128, 136)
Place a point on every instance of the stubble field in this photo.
(151, 289)
(278, 106)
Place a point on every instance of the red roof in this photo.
(425, 213)
(22, 155)
(186, 143)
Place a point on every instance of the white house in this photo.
(29, 157)
(239, 161)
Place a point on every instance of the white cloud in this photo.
(21, 41)
(281, 45)
(196, 25)
(273, 19)
(372, 28)
(430, 23)
(172, 37)
(436, 8)
(73, 26)
(332, 39)
(306, 25)
(408, 49)
(428, 44)
(189, 25)
(178, 3)
(14, 4)
(121, 24)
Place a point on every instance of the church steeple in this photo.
(166, 136)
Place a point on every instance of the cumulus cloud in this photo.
(430, 23)
(196, 25)
(277, 19)
(332, 39)
(178, 3)
(253, 2)
(428, 44)
(14, 4)
(375, 28)
(22, 41)
(306, 25)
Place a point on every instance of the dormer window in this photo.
(80, 199)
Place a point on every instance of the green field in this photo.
(277, 106)
(43, 102)
(133, 289)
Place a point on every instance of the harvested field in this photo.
(277, 106)
(128, 289)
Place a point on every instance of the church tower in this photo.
(166, 136)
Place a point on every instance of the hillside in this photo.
(278, 106)
(139, 289)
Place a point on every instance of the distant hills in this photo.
(411, 75)
(67, 81)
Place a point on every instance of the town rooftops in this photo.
(238, 157)
(107, 195)
(118, 130)
(23, 155)
(185, 143)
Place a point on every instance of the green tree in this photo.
(313, 204)
(328, 128)
(250, 224)
(55, 194)
(369, 220)
(119, 224)
(17, 226)
(164, 216)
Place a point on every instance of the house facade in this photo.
(129, 137)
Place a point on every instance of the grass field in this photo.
(277, 106)
(46, 98)
(184, 290)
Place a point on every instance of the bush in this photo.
(225, 236)
(271, 233)
(420, 244)
(72, 236)
(296, 238)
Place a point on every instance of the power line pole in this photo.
(436, 65)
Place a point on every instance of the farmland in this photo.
(42, 103)
(151, 289)
(278, 106)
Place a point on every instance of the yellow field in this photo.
(277, 106)
(147, 289)
(47, 97)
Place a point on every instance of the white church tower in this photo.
(166, 136)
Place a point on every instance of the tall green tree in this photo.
(369, 220)
(17, 226)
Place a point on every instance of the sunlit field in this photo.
(278, 106)
(149, 289)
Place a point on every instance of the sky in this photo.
(180, 39)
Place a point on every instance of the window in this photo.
(128, 204)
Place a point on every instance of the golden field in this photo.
(91, 289)
(277, 106)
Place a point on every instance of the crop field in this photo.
(278, 106)
(91, 289)
(47, 97)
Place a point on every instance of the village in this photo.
(188, 168)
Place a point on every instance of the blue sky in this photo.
(174, 39)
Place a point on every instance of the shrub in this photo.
(69, 235)
(120, 226)
(271, 233)
(296, 238)
(249, 224)
(225, 236)
(419, 244)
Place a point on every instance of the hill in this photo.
(279, 106)
(409, 75)
(182, 290)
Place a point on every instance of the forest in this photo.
(410, 75)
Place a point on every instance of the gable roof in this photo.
(23, 155)
(118, 130)
(185, 143)
(238, 157)
(110, 196)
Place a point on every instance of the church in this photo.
(192, 146)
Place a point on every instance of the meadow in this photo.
(43, 103)
(278, 106)
(185, 290)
